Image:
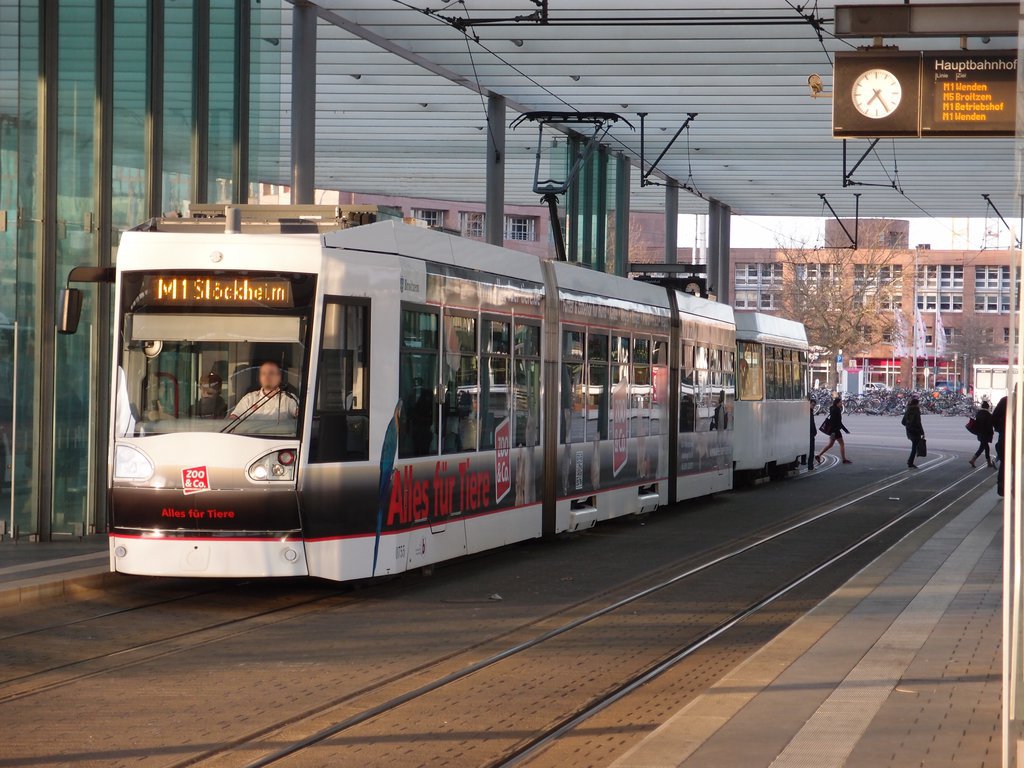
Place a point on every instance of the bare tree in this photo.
(843, 297)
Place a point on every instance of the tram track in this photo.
(453, 676)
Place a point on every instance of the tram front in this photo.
(208, 395)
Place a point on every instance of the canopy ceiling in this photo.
(398, 110)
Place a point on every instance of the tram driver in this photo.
(270, 400)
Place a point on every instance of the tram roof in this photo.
(399, 112)
(756, 326)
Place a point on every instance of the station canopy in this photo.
(400, 111)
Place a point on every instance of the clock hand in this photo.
(875, 95)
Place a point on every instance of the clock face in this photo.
(877, 93)
(692, 288)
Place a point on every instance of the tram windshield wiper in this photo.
(230, 426)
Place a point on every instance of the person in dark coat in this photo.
(999, 425)
(836, 429)
(914, 427)
(983, 430)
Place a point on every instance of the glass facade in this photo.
(115, 111)
(111, 111)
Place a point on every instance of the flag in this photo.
(920, 334)
(940, 335)
(899, 334)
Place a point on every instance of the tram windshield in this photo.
(234, 373)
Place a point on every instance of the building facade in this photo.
(963, 300)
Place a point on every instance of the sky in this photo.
(770, 231)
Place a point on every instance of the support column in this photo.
(622, 181)
(303, 102)
(718, 251)
(200, 100)
(46, 272)
(714, 244)
(494, 219)
(671, 223)
(724, 260)
(154, 108)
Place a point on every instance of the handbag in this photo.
(826, 426)
(922, 447)
(972, 426)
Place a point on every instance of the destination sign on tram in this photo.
(217, 291)
(969, 94)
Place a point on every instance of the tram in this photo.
(303, 396)
(772, 420)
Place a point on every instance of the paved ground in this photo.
(168, 672)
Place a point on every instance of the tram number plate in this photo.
(195, 480)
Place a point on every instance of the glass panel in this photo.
(460, 404)
(419, 330)
(494, 399)
(179, 384)
(527, 340)
(527, 403)
(597, 346)
(76, 244)
(620, 349)
(459, 334)
(417, 377)
(269, 156)
(573, 404)
(497, 338)
(341, 423)
(177, 111)
(640, 400)
(221, 111)
(128, 191)
(572, 345)
(750, 375)
(598, 402)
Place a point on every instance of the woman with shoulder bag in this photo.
(915, 430)
(835, 431)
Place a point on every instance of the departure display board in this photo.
(921, 94)
(969, 94)
(216, 291)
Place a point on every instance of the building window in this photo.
(756, 286)
(432, 217)
(520, 228)
(822, 273)
(927, 301)
(1006, 335)
(992, 289)
(472, 224)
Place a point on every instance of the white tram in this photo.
(772, 414)
(307, 397)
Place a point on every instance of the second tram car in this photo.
(349, 402)
(772, 421)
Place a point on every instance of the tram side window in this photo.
(461, 391)
(573, 392)
(598, 400)
(640, 400)
(494, 382)
(751, 386)
(417, 384)
(687, 390)
(341, 423)
(659, 387)
(526, 357)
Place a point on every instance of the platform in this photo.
(901, 666)
(30, 571)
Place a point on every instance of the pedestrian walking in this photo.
(914, 427)
(835, 431)
(983, 431)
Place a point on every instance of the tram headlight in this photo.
(132, 464)
(279, 465)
